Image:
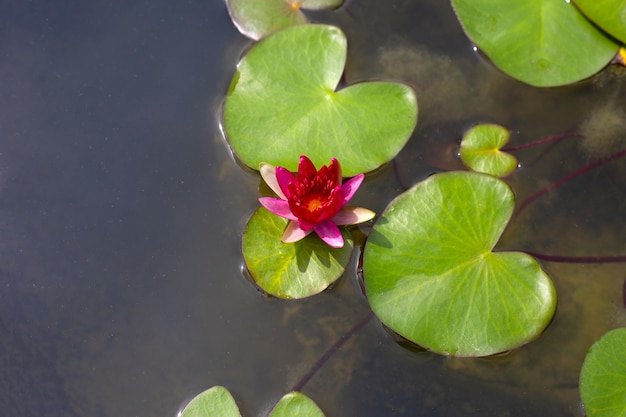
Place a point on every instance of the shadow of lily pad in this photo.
(439, 284)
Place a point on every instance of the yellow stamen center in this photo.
(314, 204)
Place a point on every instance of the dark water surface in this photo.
(121, 212)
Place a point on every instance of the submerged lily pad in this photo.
(431, 274)
(214, 402)
(282, 102)
(480, 150)
(610, 15)
(258, 18)
(296, 404)
(603, 376)
(291, 270)
(543, 43)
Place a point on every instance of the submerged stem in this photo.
(331, 350)
(568, 177)
(326, 356)
(542, 141)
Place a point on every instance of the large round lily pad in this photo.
(610, 15)
(540, 42)
(291, 270)
(431, 274)
(282, 102)
(258, 18)
(603, 376)
(480, 150)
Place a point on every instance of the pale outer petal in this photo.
(268, 173)
(353, 215)
(293, 233)
(329, 233)
(349, 187)
(278, 207)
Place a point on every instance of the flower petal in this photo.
(284, 177)
(304, 225)
(268, 173)
(278, 207)
(353, 215)
(335, 170)
(349, 187)
(306, 167)
(329, 233)
(293, 233)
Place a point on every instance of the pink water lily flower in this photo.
(313, 200)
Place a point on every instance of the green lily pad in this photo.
(214, 402)
(610, 15)
(603, 376)
(291, 270)
(282, 102)
(540, 42)
(258, 18)
(431, 274)
(480, 150)
(296, 404)
(218, 402)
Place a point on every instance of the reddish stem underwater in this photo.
(542, 141)
(568, 177)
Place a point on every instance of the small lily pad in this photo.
(603, 376)
(258, 18)
(218, 402)
(291, 270)
(214, 402)
(480, 150)
(431, 274)
(296, 404)
(610, 15)
(542, 43)
(282, 102)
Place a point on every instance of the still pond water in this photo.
(121, 213)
